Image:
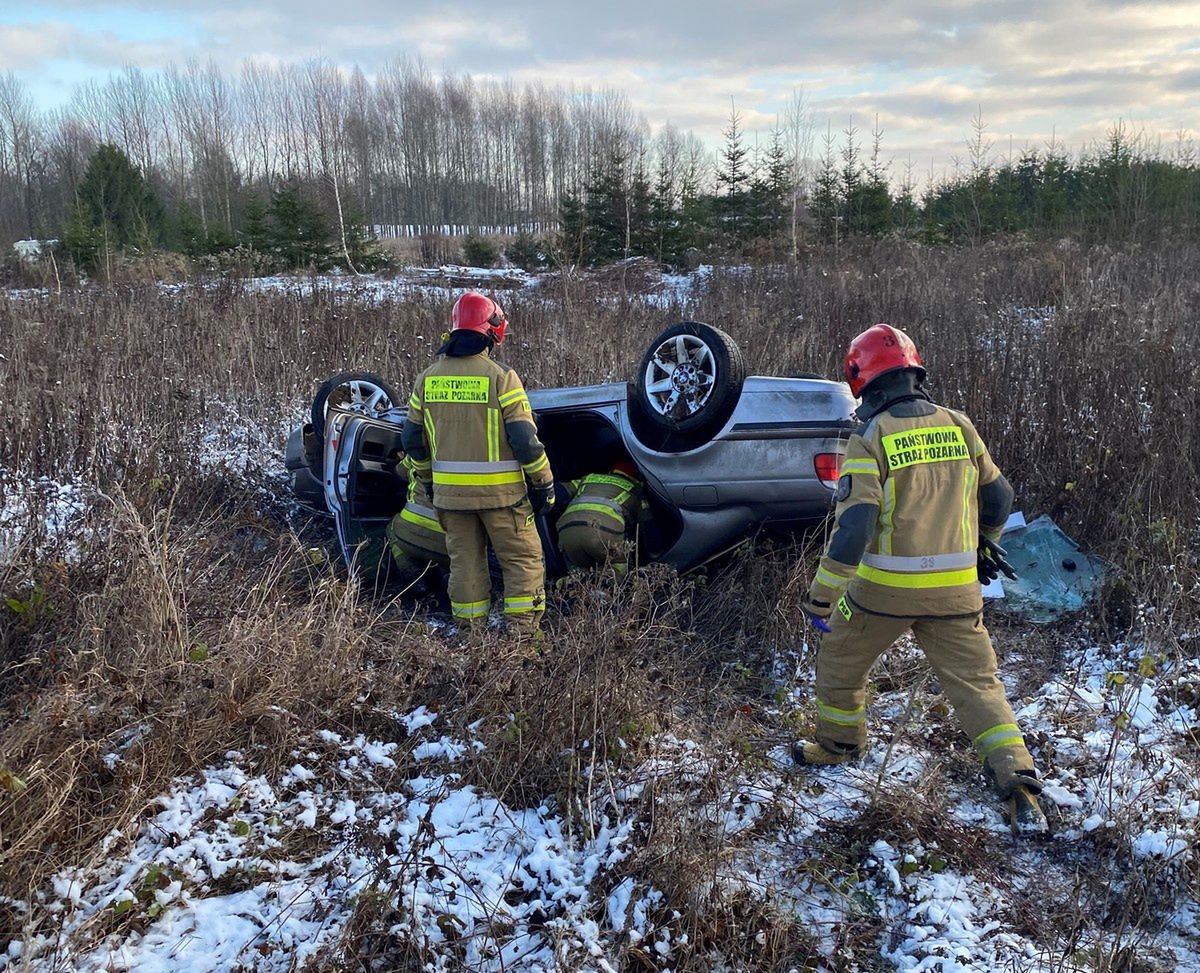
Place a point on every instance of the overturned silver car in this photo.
(723, 455)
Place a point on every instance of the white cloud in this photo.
(30, 48)
(923, 67)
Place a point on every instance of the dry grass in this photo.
(191, 620)
(1076, 363)
(178, 649)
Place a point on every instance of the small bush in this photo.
(528, 252)
(480, 251)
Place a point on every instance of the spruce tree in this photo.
(733, 176)
(256, 226)
(115, 210)
(526, 252)
(771, 190)
(873, 205)
(605, 210)
(696, 215)
(827, 194)
(187, 234)
(298, 236)
(664, 224)
(572, 240)
(83, 241)
(639, 232)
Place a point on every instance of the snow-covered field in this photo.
(382, 849)
(51, 513)
(438, 283)
(236, 869)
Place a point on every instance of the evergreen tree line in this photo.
(764, 200)
(117, 213)
(667, 206)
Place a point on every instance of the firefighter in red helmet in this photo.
(920, 507)
(474, 445)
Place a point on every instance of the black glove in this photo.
(991, 562)
(542, 498)
(988, 571)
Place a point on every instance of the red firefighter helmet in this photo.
(475, 312)
(879, 350)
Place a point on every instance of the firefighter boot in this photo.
(528, 647)
(810, 753)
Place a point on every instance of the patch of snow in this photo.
(683, 290)
(1159, 843)
(43, 512)
(418, 719)
(483, 886)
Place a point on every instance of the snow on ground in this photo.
(902, 861)
(228, 441)
(443, 283)
(52, 514)
(233, 869)
(909, 850)
(681, 289)
(41, 511)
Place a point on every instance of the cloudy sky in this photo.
(1067, 68)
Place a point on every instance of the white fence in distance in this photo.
(401, 231)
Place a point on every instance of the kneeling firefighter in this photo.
(473, 442)
(595, 527)
(920, 507)
(415, 536)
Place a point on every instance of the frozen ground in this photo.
(48, 515)
(903, 862)
(38, 510)
(439, 283)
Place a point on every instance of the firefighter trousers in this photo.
(588, 545)
(518, 546)
(959, 651)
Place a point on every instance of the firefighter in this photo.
(920, 504)
(473, 442)
(593, 530)
(415, 535)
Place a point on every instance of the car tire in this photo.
(686, 387)
(364, 388)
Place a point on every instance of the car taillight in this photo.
(828, 467)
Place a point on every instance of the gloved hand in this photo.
(991, 562)
(542, 498)
(988, 570)
(427, 485)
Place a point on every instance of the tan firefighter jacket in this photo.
(470, 430)
(924, 474)
(608, 502)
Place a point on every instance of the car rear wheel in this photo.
(687, 386)
(362, 392)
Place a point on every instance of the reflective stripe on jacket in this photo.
(924, 474)
(416, 529)
(605, 501)
(468, 410)
(418, 510)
